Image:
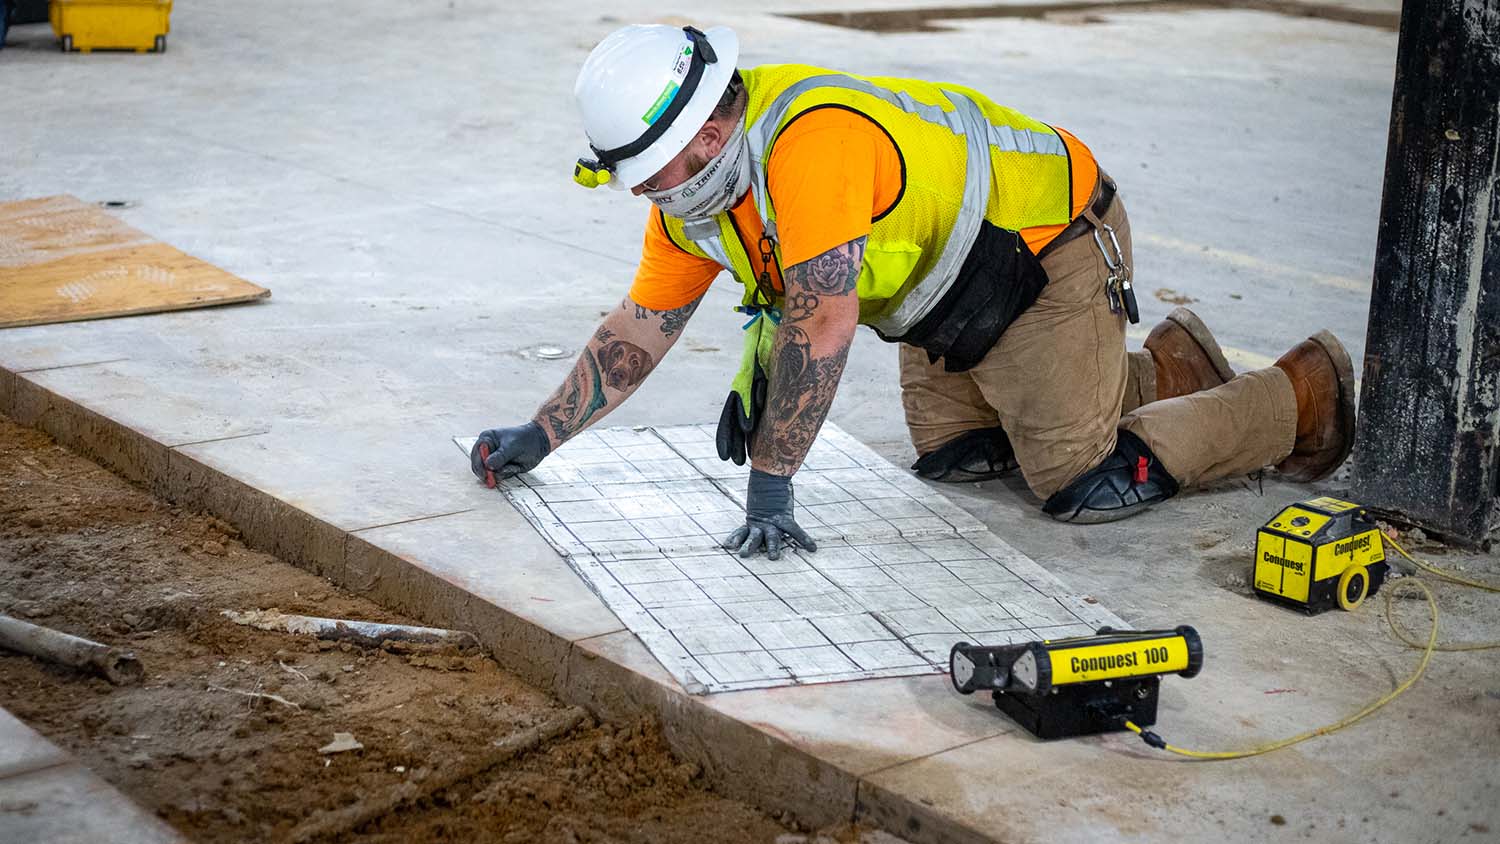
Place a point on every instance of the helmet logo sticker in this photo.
(667, 94)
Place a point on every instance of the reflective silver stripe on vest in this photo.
(705, 233)
(1010, 139)
(930, 290)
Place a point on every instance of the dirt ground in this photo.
(202, 742)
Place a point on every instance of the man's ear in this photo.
(712, 138)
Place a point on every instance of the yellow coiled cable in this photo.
(1449, 576)
(1428, 649)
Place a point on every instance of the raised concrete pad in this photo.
(403, 187)
(900, 573)
(47, 797)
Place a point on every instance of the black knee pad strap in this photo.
(1125, 483)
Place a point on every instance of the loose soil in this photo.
(202, 742)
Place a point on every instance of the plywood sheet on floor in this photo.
(63, 260)
(900, 573)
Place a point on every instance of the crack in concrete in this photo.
(221, 439)
(24, 770)
(69, 366)
(411, 520)
(865, 777)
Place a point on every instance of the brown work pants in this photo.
(1059, 380)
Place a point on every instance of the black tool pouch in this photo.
(999, 280)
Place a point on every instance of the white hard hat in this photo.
(645, 91)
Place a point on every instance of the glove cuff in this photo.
(539, 437)
(757, 476)
(768, 494)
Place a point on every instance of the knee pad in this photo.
(980, 455)
(1127, 481)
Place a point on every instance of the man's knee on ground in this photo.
(1127, 481)
(1052, 458)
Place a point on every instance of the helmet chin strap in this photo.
(714, 189)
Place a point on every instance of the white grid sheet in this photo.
(900, 573)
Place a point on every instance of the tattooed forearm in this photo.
(625, 364)
(812, 346)
(616, 360)
(673, 320)
(802, 389)
(575, 402)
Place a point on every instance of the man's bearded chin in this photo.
(695, 162)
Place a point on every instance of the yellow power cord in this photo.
(1441, 574)
(1428, 649)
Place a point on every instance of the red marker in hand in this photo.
(484, 457)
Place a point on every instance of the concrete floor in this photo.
(398, 174)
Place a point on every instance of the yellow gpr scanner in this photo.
(1078, 686)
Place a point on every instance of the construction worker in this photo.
(990, 245)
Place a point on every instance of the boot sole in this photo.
(1205, 340)
(1344, 368)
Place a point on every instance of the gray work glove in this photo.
(511, 450)
(768, 518)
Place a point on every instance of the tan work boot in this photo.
(1323, 379)
(1187, 359)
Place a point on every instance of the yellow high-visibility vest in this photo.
(965, 159)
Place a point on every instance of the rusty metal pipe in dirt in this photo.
(366, 633)
(115, 665)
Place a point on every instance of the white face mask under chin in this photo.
(714, 189)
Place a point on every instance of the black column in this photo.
(1428, 445)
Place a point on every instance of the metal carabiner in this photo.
(767, 247)
(1118, 287)
(1116, 262)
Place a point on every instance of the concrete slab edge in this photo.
(739, 759)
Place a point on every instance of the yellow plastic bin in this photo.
(88, 25)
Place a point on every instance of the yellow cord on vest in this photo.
(1428, 650)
